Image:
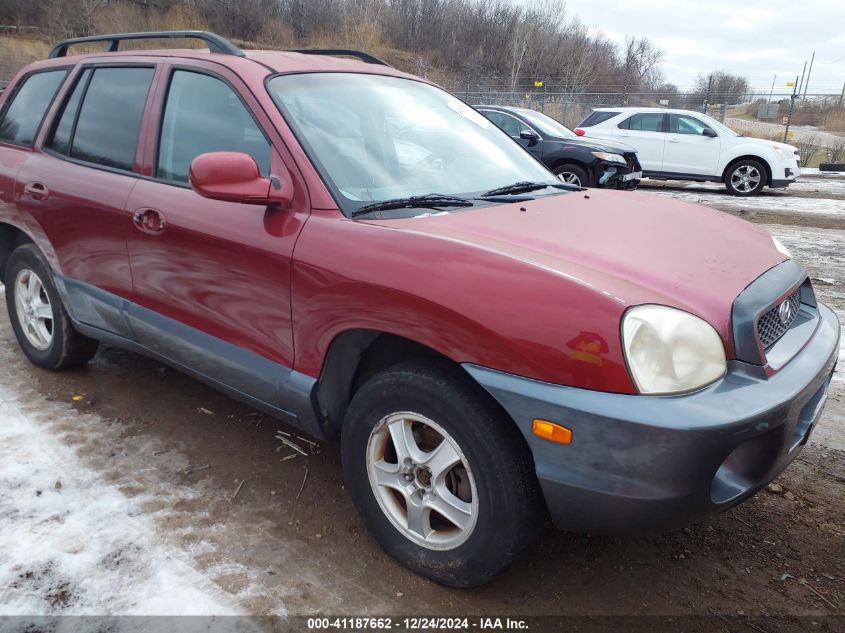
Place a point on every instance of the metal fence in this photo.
(571, 106)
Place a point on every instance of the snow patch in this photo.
(791, 204)
(71, 543)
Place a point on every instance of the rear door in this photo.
(212, 278)
(21, 116)
(645, 131)
(77, 186)
(688, 149)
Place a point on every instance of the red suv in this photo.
(360, 254)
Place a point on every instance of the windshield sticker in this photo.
(431, 215)
(468, 113)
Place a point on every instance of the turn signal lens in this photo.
(579, 132)
(551, 431)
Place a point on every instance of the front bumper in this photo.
(785, 174)
(641, 463)
(616, 175)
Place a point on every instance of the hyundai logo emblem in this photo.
(786, 312)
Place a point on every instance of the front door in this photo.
(514, 127)
(212, 278)
(692, 147)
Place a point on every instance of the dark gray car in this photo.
(578, 160)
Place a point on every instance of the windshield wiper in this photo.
(526, 186)
(428, 201)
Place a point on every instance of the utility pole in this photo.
(773, 88)
(707, 96)
(801, 83)
(807, 83)
(791, 108)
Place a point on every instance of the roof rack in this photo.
(216, 43)
(364, 57)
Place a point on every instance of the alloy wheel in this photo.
(569, 178)
(34, 311)
(745, 178)
(422, 481)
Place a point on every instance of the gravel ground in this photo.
(126, 487)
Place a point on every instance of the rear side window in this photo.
(27, 107)
(646, 122)
(203, 114)
(597, 117)
(104, 128)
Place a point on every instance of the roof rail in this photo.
(364, 57)
(216, 43)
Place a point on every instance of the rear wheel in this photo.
(440, 476)
(573, 175)
(38, 317)
(745, 178)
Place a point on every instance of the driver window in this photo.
(508, 124)
(682, 124)
(203, 114)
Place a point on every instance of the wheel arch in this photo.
(10, 238)
(753, 157)
(568, 160)
(354, 356)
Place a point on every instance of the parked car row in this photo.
(361, 255)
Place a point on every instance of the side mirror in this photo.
(235, 177)
(709, 132)
(529, 135)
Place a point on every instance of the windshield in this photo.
(723, 129)
(547, 124)
(376, 138)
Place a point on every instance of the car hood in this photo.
(597, 144)
(633, 248)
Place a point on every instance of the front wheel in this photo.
(745, 178)
(440, 476)
(573, 175)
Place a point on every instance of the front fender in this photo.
(470, 305)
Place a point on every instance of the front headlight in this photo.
(671, 351)
(781, 248)
(613, 158)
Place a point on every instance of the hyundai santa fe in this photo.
(363, 256)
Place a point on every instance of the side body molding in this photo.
(241, 374)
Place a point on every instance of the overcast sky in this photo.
(753, 38)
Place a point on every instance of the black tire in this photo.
(734, 182)
(67, 347)
(510, 511)
(576, 171)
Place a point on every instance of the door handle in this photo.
(624, 134)
(36, 191)
(150, 221)
(673, 140)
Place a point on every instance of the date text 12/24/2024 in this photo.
(417, 623)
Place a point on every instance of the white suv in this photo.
(686, 145)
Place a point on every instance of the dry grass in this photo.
(766, 132)
(17, 52)
(835, 121)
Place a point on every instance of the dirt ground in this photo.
(273, 536)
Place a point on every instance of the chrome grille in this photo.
(773, 324)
